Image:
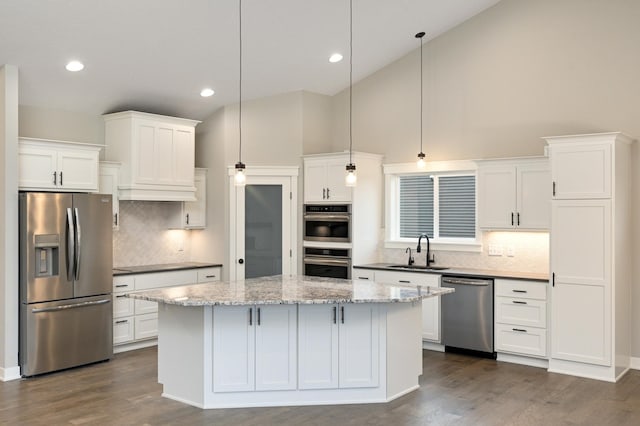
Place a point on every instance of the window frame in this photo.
(392, 173)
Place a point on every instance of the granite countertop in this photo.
(463, 272)
(287, 289)
(163, 267)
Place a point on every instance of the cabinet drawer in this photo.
(407, 278)
(122, 306)
(166, 279)
(123, 330)
(527, 312)
(209, 274)
(521, 340)
(363, 274)
(146, 326)
(145, 307)
(522, 289)
(123, 284)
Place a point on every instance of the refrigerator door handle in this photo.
(77, 245)
(71, 241)
(71, 306)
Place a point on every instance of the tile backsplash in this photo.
(521, 252)
(144, 237)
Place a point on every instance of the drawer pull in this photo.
(122, 285)
(120, 295)
(519, 302)
(122, 321)
(210, 276)
(519, 291)
(404, 281)
(363, 278)
(519, 330)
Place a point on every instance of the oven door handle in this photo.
(325, 217)
(325, 261)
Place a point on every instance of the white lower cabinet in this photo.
(135, 322)
(430, 306)
(338, 346)
(254, 348)
(521, 317)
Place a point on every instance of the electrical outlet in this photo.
(511, 251)
(495, 250)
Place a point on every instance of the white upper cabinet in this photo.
(108, 184)
(581, 172)
(194, 213)
(324, 179)
(157, 155)
(57, 165)
(514, 194)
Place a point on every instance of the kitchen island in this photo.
(288, 340)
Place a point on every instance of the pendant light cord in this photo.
(240, 84)
(350, 77)
(421, 91)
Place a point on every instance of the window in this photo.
(441, 203)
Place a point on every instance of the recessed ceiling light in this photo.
(75, 66)
(336, 57)
(205, 93)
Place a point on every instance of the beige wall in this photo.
(45, 123)
(494, 85)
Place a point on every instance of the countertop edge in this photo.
(528, 276)
(137, 270)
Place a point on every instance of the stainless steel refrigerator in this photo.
(66, 261)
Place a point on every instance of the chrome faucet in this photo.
(410, 261)
(419, 248)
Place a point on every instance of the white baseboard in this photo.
(135, 345)
(635, 363)
(523, 360)
(11, 373)
(431, 346)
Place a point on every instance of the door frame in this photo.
(236, 193)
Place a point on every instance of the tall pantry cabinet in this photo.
(590, 255)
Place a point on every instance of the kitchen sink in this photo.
(420, 267)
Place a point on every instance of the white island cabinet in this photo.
(288, 340)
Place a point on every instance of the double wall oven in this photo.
(327, 240)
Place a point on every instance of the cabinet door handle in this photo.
(122, 321)
(519, 302)
(404, 281)
(258, 316)
(335, 315)
(521, 330)
(553, 279)
(519, 291)
(328, 194)
(116, 218)
(554, 189)
(518, 218)
(187, 218)
(342, 314)
(250, 316)
(324, 193)
(511, 218)
(55, 178)
(60, 178)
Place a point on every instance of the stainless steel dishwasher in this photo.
(467, 315)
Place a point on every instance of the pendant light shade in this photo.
(240, 178)
(421, 155)
(351, 178)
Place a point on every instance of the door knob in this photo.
(241, 261)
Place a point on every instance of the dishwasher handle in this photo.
(466, 281)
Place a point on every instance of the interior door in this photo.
(264, 228)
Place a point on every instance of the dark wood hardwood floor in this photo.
(455, 389)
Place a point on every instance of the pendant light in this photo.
(240, 177)
(421, 154)
(351, 177)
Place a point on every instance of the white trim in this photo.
(523, 360)
(456, 166)
(266, 171)
(473, 247)
(635, 363)
(432, 346)
(8, 374)
(125, 347)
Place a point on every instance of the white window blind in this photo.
(416, 206)
(457, 204)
